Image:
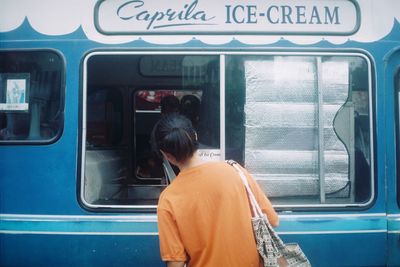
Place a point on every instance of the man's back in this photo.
(205, 213)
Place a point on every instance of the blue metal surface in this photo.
(392, 66)
(147, 224)
(79, 250)
(130, 237)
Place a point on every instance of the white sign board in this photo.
(209, 154)
(323, 17)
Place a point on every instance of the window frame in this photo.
(222, 53)
(60, 130)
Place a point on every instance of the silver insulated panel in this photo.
(290, 104)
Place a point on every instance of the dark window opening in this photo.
(126, 95)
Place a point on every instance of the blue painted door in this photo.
(393, 158)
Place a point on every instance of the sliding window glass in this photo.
(302, 125)
(126, 94)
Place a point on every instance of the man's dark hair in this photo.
(175, 135)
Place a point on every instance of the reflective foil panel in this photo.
(282, 118)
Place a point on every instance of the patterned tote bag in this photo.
(271, 248)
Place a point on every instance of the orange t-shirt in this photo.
(204, 218)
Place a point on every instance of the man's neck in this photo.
(194, 161)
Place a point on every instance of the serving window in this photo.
(300, 123)
(126, 94)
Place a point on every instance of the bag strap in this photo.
(169, 172)
(256, 209)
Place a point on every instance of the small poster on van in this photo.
(209, 154)
(14, 92)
